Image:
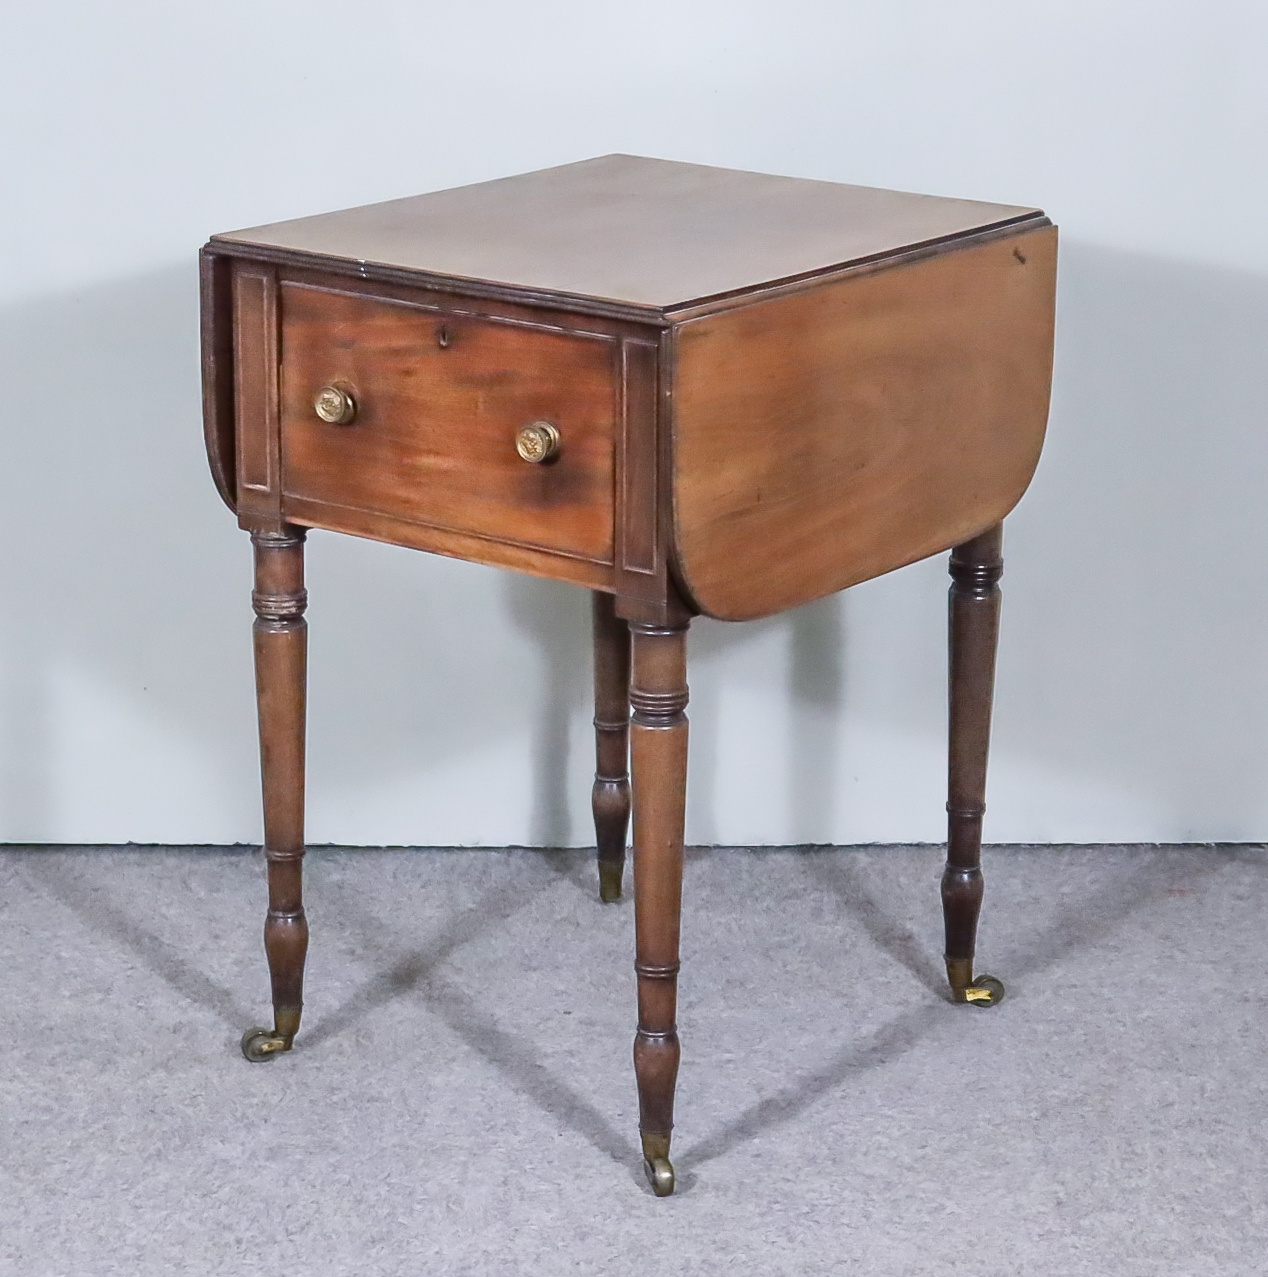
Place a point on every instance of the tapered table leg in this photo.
(975, 567)
(610, 798)
(658, 753)
(281, 641)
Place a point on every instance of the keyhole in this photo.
(443, 336)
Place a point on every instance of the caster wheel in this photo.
(262, 1044)
(985, 991)
(660, 1175)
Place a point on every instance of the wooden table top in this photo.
(655, 234)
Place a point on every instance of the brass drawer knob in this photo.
(335, 405)
(537, 442)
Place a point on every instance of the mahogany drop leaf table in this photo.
(689, 390)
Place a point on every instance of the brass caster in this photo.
(660, 1175)
(985, 991)
(263, 1044)
(610, 882)
(656, 1164)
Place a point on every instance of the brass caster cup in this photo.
(610, 882)
(981, 991)
(656, 1164)
(259, 1045)
(660, 1175)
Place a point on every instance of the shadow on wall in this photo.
(1133, 678)
(115, 557)
(1135, 621)
(1137, 613)
(126, 573)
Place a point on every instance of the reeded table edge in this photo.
(228, 245)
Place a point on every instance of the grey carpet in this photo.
(461, 1100)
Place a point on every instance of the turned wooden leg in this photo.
(976, 567)
(610, 798)
(658, 752)
(281, 641)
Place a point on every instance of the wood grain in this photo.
(439, 401)
(829, 436)
(644, 232)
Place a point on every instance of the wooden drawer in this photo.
(440, 396)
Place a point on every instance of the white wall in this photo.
(449, 701)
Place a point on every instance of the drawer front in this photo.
(439, 400)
